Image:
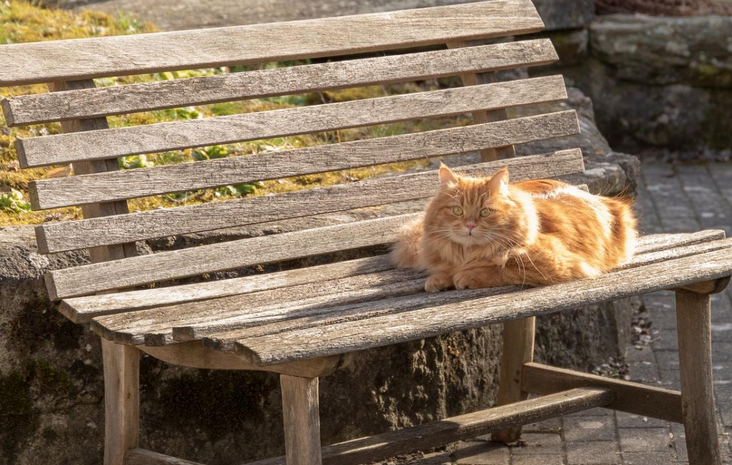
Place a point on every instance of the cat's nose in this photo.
(470, 227)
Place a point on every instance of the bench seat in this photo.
(354, 305)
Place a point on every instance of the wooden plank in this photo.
(430, 435)
(649, 401)
(708, 287)
(226, 340)
(194, 355)
(83, 309)
(98, 210)
(301, 419)
(146, 457)
(468, 426)
(121, 400)
(57, 237)
(518, 350)
(41, 108)
(160, 137)
(154, 326)
(147, 53)
(414, 318)
(694, 323)
(126, 184)
(480, 117)
(145, 269)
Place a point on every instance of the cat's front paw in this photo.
(469, 281)
(437, 283)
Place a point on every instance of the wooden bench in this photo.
(303, 323)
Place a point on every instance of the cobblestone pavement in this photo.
(671, 199)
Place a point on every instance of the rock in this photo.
(192, 14)
(653, 50)
(635, 115)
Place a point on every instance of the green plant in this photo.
(14, 201)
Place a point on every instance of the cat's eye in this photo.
(484, 213)
(457, 210)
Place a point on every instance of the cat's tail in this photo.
(405, 251)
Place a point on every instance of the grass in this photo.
(25, 22)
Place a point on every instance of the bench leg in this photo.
(518, 349)
(121, 400)
(300, 409)
(693, 314)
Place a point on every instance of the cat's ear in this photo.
(446, 175)
(499, 182)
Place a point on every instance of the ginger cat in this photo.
(483, 232)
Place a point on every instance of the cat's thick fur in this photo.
(481, 232)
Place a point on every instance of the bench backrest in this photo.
(109, 231)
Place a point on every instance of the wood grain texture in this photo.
(145, 269)
(94, 210)
(635, 398)
(226, 340)
(83, 309)
(196, 318)
(192, 321)
(301, 419)
(57, 237)
(147, 457)
(439, 433)
(126, 184)
(479, 117)
(40, 108)
(518, 350)
(417, 317)
(194, 355)
(348, 35)
(121, 401)
(160, 137)
(694, 323)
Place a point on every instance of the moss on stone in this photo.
(19, 419)
(214, 402)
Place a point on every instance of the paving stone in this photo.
(593, 453)
(537, 460)
(667, 359)
(643, 372)
(644, 458)
(595, 412)
(553, 425)
(482, 453)
(666, 339)
(644, 440)
(629, 420)
(539, 444)
(578, 429)
(640, 354)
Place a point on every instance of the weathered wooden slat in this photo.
(89, 279)
(432, 316)
(471, 425)
(216, 317)
(78, 190)
(57, 237)
(113, 143)
(83, 309)
(146, 53)
(41, 108)
(337, 314)
(301, 419)
(194, 355)
(193, 321)
(147, 457)
(630, 397)
(430, 435)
